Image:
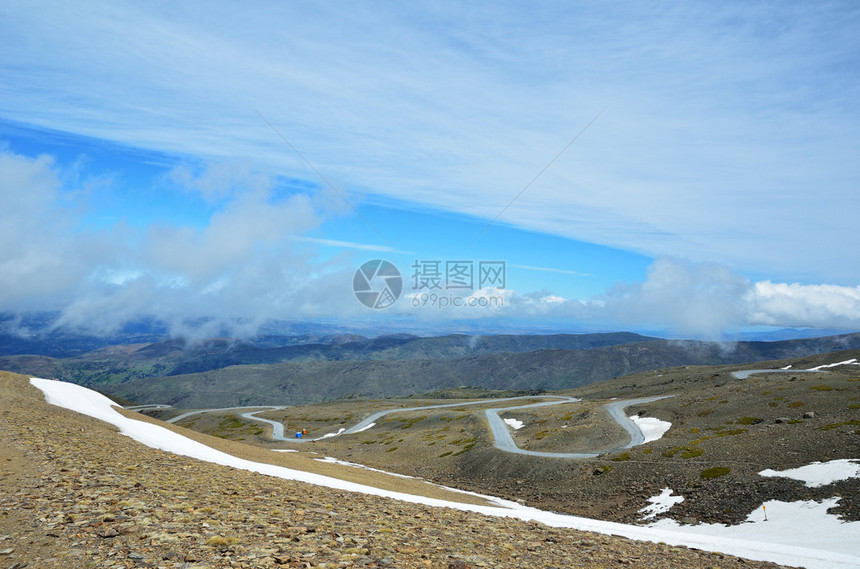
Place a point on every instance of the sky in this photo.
(690, 170)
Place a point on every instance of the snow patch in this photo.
(660, 504)
(329, 435)
(364, 428)
(333, 460)
(651, 427)
(819, 474)
(852, 361)
(515, 424)
(788, 523)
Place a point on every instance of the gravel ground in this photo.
(74, 493)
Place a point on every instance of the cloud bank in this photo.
(251, 262)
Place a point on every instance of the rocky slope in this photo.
(74, 493)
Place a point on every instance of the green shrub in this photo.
(842, 424)
(731, 432)
(749, 421)
(622, 456)
(714, 472)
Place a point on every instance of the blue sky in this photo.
(690, 169)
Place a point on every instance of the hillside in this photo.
(75, 493)
(738, 425)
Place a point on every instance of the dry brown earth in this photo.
(74, 493)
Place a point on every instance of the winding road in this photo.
(504, 441)
(501, 433)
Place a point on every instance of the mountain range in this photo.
(300, 369)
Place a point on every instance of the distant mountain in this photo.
(119, 363)
(309, 367)
(548, 369)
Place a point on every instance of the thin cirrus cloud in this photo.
(728, 138)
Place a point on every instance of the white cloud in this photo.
(785, 304)
(699, 300)
(729, 131)
(239, 269)
(251, 262)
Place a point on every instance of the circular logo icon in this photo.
(377, 284)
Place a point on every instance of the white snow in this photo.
(797, 534)
(651, 427)
(819, 474)
(333, 460)
(786, 367)
(791, 524)
(515, 424)
(852, 361)
(329, 435)
(660, 504)
(364, 428)
(284, 450)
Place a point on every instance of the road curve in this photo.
(504, 441)
(501, 434)
(199, 411)
(502, 438)
(745, 373)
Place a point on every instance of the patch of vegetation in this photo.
(648, 451)
(855, 423)
(714, 472)
(221, 541)
(795, 404)
(392, 449)
(466, 448)
(749, 421)
(705, 413)
(694, 430)
(409, 422)
(446, 453)
(621, 457)
(822, 387)
(690, 451)
(730, 432)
